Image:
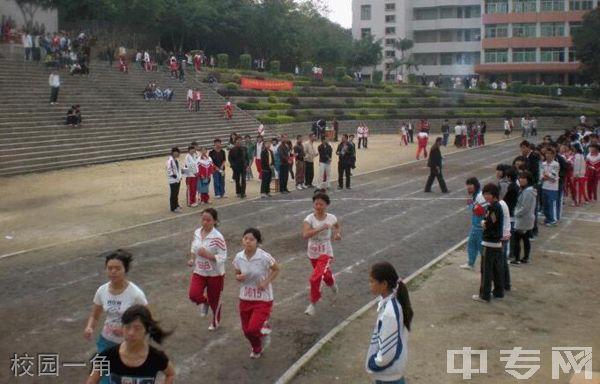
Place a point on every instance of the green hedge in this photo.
(246, 61)
(275, 66)
(222, 60)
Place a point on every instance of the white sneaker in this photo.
(194, 205)
(478, 298)
(254, 355)
(298, 187)
(334, 288)
(310, 310)
(266, 341)
(467, 266)
(213, 327)
(203, 310)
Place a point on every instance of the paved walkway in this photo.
(554, 303)
(60, 206)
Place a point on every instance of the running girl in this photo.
(317, 230)
(205, 170)
(113, 298)
(255, 269)
(387, 355)
(135, 360)
(207, 255)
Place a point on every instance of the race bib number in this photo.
(203, 265)
(252, 293)
(318, 248)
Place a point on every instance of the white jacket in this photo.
(578, 165)
(190, 165)
(387, 356)
(173, 171)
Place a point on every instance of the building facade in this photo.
(530, 40)
(526, 40)
(48, 18)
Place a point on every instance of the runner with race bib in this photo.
(317, 230)
(207, 256)
(255, 269)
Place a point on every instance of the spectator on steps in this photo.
(74, 116)
(54, 82)
(197, 99)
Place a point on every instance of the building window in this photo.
(493, 31)
(473, 11)
(496, 6)
(390, 53)
(390, 30)
(521, 6)
(425, 14)
(552, 5)
(365, 12)
(448, 13)
(466, 58)
(390, 7)
(472, 35)
(572, 55)
(390, 42)
(552, 29)
(496, 55)
(580, 5)
(426, 58)
(573, 26)
(390, 18)
(523, 55)
(364, 32)
(446, 59)
(389, 66)
(552, 55)
(426, 36)
(524, 30)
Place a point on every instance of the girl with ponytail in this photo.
(387, 355)
(135, 360)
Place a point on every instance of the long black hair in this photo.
(385, 271)
(143, 314)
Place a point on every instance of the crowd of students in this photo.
(277, 159)
(505, 213)
(153, 92)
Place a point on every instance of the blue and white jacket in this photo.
(387, 356)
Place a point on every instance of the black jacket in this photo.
(511, 197)
(266, 159)
(533, 166)
(238, 158)
(325, 153)
(492, 232)
(435, 157)
(345, 153)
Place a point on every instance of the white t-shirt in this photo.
(320, 244)
(115, 305)
(506, 219)
(551, 170)
(256, 269)
(214, 243)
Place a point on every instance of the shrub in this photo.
(223, 60)
(377, 77)
(412, 78)
(461, 99)
(516, 86)
(293, 100)
(349, 101)
(332, 88)
(307, 90)
(450, 113)
(419, 92)
(308, 112)
(364, 112)
(482, 85)
(432, 101)
(388, 89)
(272, 99)
(537, 111)
(509, 113)
(307, 68)
(391, 112)
(347, 79)
(232, 86)
(361, 89)
(289, 76)
(403, 101)
(273, 114)
(252, 100)
(338, 112)
(375, 100)
(236, 77)
(340, 72)
(275, 66)
(246, 61)
(291, 112)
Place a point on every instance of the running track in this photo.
(46, 295)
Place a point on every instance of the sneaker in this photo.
(254, 355)
(515, 262)
(524, 261)
(334, 288)
(299, 187)
(263, 195)
(178, 210)
(194, 205)
(265, 341)
(467, 266)
(203, 310)
(213, 327)
(478, 298)
(340, 188)
(219, 197)
(310, 310)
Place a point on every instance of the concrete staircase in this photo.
(118, 124)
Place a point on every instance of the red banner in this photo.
(272, 85)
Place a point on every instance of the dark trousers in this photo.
(239, 176)
(433, 173)
(54, 94)
(174, 196)
(363, 141)
(505, 257)
(309, 172)
(265, 182)
(284, 172)
(492, 270)
(343, 168)
(445, 139)
(411, 136)
(517, 237)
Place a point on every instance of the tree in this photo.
(404, 45)
(587, 43)
(366, 52)
(29, 8)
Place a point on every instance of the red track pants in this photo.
(422, 149)
(191, 183)
(255, 317)
(321, 272)
(592, 185)
(213, 285)
(258, 168)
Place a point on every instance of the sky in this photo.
(341, 12)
